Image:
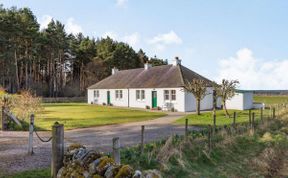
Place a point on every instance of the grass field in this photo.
(206, 118)
(275, 99)
(80, 115)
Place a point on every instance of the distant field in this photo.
(274, 99)
(80, 115)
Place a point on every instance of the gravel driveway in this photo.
(13, 145)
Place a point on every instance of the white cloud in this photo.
(160, 41)
(44, 21)
(110, 34)
(132, 39)
(72, 27)
(166, 39)
(254, 73)
(121, 3)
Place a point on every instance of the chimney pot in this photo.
(114, 70)
(176, 61)
(147, 66)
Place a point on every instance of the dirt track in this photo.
(13, 145)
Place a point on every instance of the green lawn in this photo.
(275, 99)
(80, 115)
(206, 117)
(36, 173)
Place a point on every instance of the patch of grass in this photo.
(81, 115)
(206, 118)
(274, 99)
(37, 173)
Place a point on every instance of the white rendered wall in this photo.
(236, 102)
(241, 101)
(178, 104)
(205, 104)
(248, 100)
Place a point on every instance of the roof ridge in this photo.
(181, 74)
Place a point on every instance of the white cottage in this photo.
(150, 87)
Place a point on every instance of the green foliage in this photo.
(53, 63)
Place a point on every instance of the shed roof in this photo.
(165, 76)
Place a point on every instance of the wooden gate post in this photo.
(31, 130)
(142, 138)
(116, 150)
(57, 148)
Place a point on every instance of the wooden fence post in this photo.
(116, 150)
(186, 128)
(142, 138)
(250, 117)
(234, 119)
(273, 113)
(253, 123)
(214, 122)
(209, 138)
(3, 119)
(57, 148)
(31, 130)
(261, 115)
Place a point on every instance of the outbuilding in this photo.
(242, 100)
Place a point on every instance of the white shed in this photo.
(242, 100)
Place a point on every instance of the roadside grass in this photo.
(274, 99)
(81, 115)
(37, 173)
(206, 118)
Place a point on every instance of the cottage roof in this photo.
(165, 76)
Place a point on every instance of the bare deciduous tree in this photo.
(198, 88)
(226, 90)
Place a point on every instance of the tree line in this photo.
(51, 62)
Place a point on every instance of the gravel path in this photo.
(13, 145)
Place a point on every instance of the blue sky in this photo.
(244, 40)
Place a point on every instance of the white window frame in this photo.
(170, 95)
(166, 95)
(118, 94)
(138, 95)
(96, 94)
(142, 95)
(173, 95)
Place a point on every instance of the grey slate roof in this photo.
(165, 76)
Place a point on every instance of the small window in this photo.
(118, 94)
(173, 94)
(96, 93)
(166, 95)
(137, 94)
(142, 94)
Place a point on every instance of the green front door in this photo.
(154, 99)
(108, 97)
